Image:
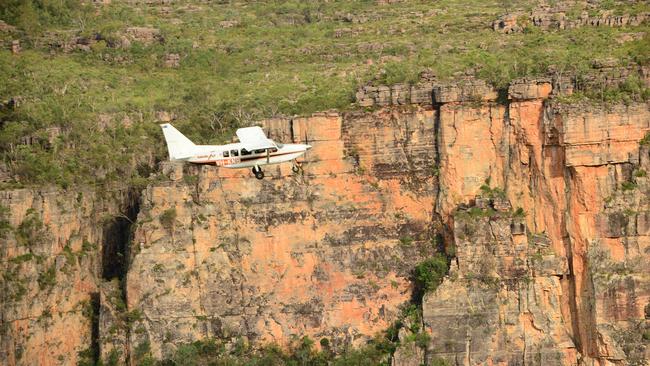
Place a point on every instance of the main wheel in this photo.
(259, 174)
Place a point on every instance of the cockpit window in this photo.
(245, 152)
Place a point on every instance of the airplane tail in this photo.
(179, 146)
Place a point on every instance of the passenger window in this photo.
(245, 152)
(226, 154)
(274, 150)
(259, 151)
(234, 152)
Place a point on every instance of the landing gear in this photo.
(259, 174)
(296, 167)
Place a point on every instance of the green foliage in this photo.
(437, 361)
(632, 339)
(113, 358)
(34, 15)
(406, 241)
(47, 278)
(168, 218)
(22, 258)
(628, 186)
(5, 226)
(132, 316)
(142, 354)
(428, 274)
(489, 192)
(31, 230)
(645, 141)
(86, 357)
(421, 339)
(519, 213)
(300, 352)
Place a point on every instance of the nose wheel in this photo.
(259, 174)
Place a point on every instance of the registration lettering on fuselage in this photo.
(227, 161)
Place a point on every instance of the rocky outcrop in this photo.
(548, 18)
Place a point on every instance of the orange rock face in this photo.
(578, 174)
(51, 266)
(326, 253)
(551, 259)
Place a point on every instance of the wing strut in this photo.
(268, 156)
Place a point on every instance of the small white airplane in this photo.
(253, 150)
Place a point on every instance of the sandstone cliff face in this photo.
(570, 170)
(326, 253)
(544, 204)
(51, 268)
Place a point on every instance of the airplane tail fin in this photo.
(179, 146)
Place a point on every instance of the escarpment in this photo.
(541, 204)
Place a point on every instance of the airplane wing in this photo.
(253, 138)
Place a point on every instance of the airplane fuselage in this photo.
(235, 156)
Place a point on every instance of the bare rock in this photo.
(4, 27)
(408, 354)
(112, 323)
(172, 60)
(145, 35)
(165, 116)
(525, 89)
(506, 24)
(15, 47)
(469, 90)
(228, 23)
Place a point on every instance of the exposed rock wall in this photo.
(560, 164)
(51, 269)
(327, 253)
(550, 260)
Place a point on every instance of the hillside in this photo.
(93, 79)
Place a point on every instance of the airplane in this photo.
(254, 150)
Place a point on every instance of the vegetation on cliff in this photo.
(80, 99)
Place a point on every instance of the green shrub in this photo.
(406, 241)
(31, 230)
(628, 186)
(47, 278)
(5, 226)
(519, 213)
(645, 140)
(168, 218)
(430, 273)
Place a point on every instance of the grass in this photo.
(293, 57)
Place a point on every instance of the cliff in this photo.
(541, 203)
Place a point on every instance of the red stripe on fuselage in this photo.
(248, 158)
